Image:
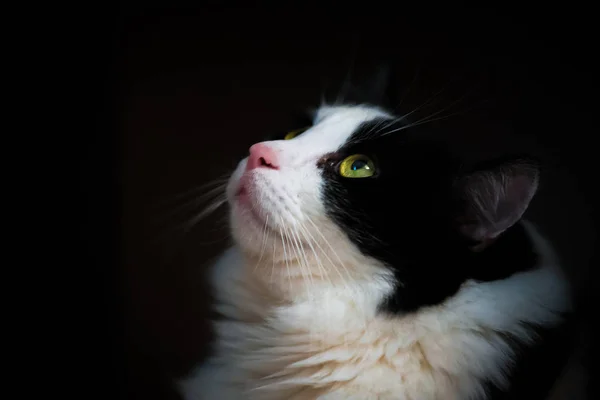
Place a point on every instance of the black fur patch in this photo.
(404, 216)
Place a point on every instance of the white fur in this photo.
(299, 301)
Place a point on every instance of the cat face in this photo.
(286, 196)
(360, 192)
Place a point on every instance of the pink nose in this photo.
(262, 156)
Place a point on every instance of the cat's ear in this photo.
(494, 196)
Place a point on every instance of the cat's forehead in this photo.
(333, 126)
(352, 114)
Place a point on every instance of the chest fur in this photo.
(386, 358)
(337, 346)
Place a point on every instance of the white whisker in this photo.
(304, 264)
(273, 262)
(405, 95)
(297, 258)
(431, 98)
(264, 242)
(428, 118)
(215, 205)
(309, 239)
(325, 253)
(285, 256)
(195, 202)
(217, 182)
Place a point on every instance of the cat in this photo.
(371, 262)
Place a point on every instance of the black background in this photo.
(178, 95)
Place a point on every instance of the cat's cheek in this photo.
(234, 180)
(245, 229)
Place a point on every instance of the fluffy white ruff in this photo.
(334, 345)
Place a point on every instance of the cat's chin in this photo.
(248, 227)
(248, 210)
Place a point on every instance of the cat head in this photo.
(359, 190)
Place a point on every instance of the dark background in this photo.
(187, 91)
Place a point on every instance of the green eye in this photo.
(357, 166)
(293, 134)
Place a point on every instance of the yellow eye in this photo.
(293, 134)
(357, 166)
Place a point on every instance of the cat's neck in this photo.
(414, 283)
(295, 280)
(432, 277)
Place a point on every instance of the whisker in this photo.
(292, 243)
(375, 128)
(273, 263)
(287, 266)
(264, 242)
(219, 181)
(304, 264)
(211, 208)
(309, 240)
(325, 253)
(405, 95)
(431, 98)
(330, 247)
(183, 228)
(189, 205)
(302, 230)
(428, 119)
